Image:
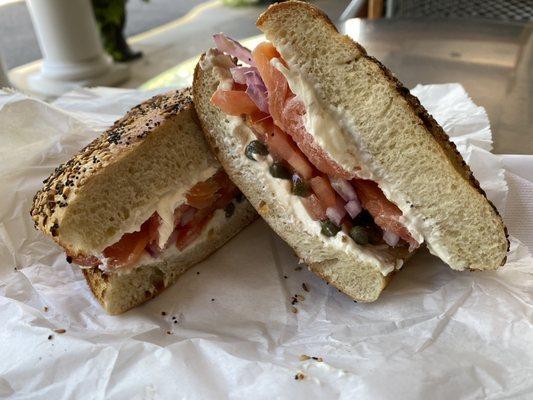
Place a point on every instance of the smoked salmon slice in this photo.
(292, 120)
(274, 80)
(386, 214)
(287, 111)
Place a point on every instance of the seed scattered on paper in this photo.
(305, 357)
(61, 330)
(299, 376)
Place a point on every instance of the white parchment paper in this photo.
(229, 331)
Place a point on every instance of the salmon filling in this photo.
(190, 219)
(331, 195)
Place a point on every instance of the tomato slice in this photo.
(203, 194)
(234, 102)
(314, 208)
(128, 250)
(215, 193)
(323, 191)
(180, 212)
(386, 214)
(189, 233)
(282, 146)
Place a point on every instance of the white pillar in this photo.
(72, 51)
(4, 82)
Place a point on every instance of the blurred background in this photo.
(48, 47)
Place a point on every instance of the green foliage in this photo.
(109, 12)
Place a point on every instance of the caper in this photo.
(229, 210)
(255, 147)
(359, 234)
(278, 170)
(363, 219)
(375, 235)
(329, 228)
(300, 187)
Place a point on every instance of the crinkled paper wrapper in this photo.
(230, 330)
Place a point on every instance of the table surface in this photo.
(492, 60)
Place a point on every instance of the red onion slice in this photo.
(233, 48)
(259, 96)
(256, 89)
(353, 207)
(336, 214)
(343, 188)
(239, 73)
(154, 250)
(391, 238)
